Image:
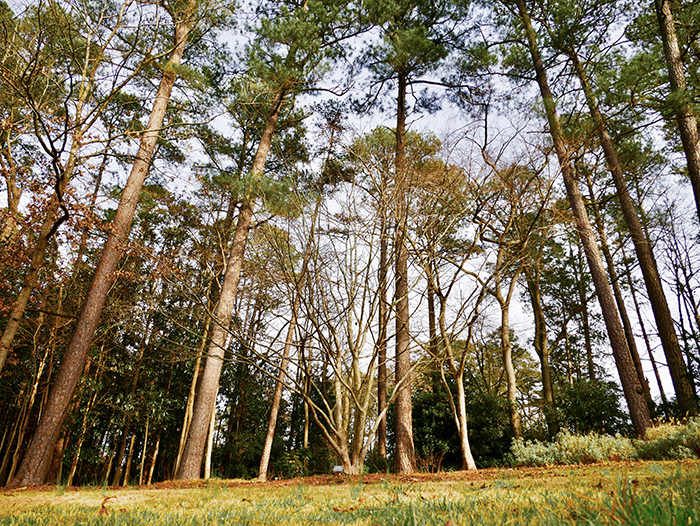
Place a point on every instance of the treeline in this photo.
(232, 247)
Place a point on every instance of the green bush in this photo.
(588, 406)
(670, 441)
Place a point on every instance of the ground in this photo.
(488, 496)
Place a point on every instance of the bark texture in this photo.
(405, 451)
(40, 449)
(682, 382)
(639, 411)
(193, 454)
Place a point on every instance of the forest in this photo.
(265, 238)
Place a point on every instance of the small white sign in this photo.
(337, 469)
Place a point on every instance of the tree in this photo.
(686, 116)
(630, 383)
(416, 37)
(509, 217)
(54, 67)
(333, 124)
(291, 48)
(570, 39)
(36, 462)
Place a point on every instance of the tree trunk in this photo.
(683, 102)
(639, 411)
(130, 456)
(467, 458)
(458, 407)
(621, 307)
(191, 464)
(277, 396)
(405, 453)
(541, 345)
(191, 396)
(153, 460)
(15, 316)
(685, 394)
(36, 461)
(383, 332)
(8, 168)
(144, 450)
(507, 353)
(210, 445)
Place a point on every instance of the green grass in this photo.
(640, 493)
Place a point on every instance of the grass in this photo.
(635, 493)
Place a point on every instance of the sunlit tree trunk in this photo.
(405, 452)
(639, 411)
(38, 457)
(191, 464)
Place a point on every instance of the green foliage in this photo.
(588, 406)
(435, 433)
(664, 442)
(671, 441)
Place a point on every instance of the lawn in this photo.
(636, 493)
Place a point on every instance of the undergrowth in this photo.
(667, 441)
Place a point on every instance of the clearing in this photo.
(610, 493)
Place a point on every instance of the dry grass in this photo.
(560, 495)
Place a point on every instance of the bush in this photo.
(589, 406)
(670, 441)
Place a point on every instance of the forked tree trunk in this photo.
(37, 460)
(191, 464)
(639, 411)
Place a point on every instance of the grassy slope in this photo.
(613, 493)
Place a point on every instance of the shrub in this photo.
(532, 453)
(588, 406)
(568, 448)
(670, 441)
